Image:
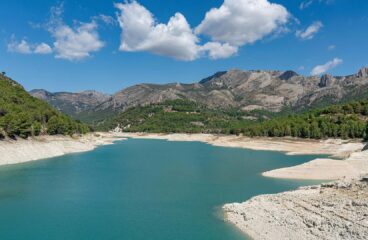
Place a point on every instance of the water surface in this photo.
(136, 190)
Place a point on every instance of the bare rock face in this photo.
(363, 73)
(326, 80)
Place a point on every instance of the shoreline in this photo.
(43, 147)
(351, 163)
(328, 211)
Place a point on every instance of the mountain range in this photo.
(245, 90)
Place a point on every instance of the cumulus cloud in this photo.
(320, 69)
(43, 48)
(310, 32)
(23, 47)
(239, 22)
(70, 42)
(216, 50)
(235, 23)
(73, 42)
(141, 32)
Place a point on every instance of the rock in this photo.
(326, 80)
(363, 73)
(337, 213)
(365, 148)
(288, 74)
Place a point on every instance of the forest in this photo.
(22, 115)
(183, 116)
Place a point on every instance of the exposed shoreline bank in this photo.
(354, 163)
(328, 211)
(43, 147)
(351, 165)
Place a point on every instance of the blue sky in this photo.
(74, 45)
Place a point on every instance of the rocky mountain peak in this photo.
(216, 75)
(288, 74)
(326, 80)
(363, 72)
(40, 94)
(250, 89)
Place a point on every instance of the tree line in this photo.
(178, 116)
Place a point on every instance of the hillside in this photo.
(22, 115)
(270, 91)
(174, 116)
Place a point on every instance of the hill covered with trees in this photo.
(337, 121)
(179, 116)
(22, 115)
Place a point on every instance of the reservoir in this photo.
(136, 189)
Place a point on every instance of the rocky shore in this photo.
(330, 211)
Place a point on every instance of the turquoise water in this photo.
(136, 189)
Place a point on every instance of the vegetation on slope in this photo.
(177, 116)
(336, 121)
(23, 115)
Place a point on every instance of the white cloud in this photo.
(23, 47)
(320, 69)
(70, 42)
(77, 43)
(310, 32)
(43, 48)
(235, 23)
(73, 43)
(140, 32)
(240, 22)
(307, 3)
(216, 50)
(331, 47)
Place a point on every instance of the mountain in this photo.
(22, 115)
(71, 103)
(245, 90)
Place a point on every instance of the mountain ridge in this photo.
(269, 90)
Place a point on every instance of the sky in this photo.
(76, 45)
